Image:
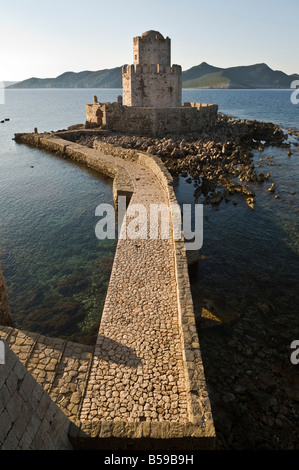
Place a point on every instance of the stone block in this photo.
(6, 425)
(25, 441)
(106, 429)
(14, 405)
(33, 425)
(43, 406)
(21, 422)
(11, 441)
(27, 386)
(4, 397)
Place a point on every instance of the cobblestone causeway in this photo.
(137, 369)
(144, 377)
(137, 372)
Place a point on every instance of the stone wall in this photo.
(190, 342)
(151, 81)
(29, 419)
(122, 185)
(151, 48)
(192, 118)
(94, 114)
(5, 313)
(153, 85)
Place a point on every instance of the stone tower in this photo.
(151, 82)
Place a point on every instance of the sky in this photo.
(47, 38)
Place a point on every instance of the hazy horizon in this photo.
(93, 35)
(105, 68)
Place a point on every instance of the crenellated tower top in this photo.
(151, 81)
(152, 48)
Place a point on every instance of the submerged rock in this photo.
(261, 177)
(265, 308)
(216, 162)
(250, 202)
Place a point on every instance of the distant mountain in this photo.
(200, 76)
(6, 84)
(251, 76)
(108, 78)
(199, 71)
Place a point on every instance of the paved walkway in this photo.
(137, 371)
(144, 377)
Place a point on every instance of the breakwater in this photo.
(145, 386)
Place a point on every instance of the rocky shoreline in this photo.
(218, 164)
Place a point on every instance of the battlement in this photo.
(152, 120)
(152, 36)
(151, 69)
(152, 96)
(151, 81)
(202, 106)
(151, 48)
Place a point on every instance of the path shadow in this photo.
(111, 351)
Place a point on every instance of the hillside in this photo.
(108, 78)
(199, 76)
(6, 84)
(252, 76)
(199, 71)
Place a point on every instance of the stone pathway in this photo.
(137, 372)
(144, 378)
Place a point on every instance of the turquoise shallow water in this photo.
(56, 270)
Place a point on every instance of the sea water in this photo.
(56, 270)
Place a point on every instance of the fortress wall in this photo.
(132, 120)
(159, 87)
(29, 419)
(185, 120)
(192, 118)
(152, 50)
(5, 313)
(94, 114)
